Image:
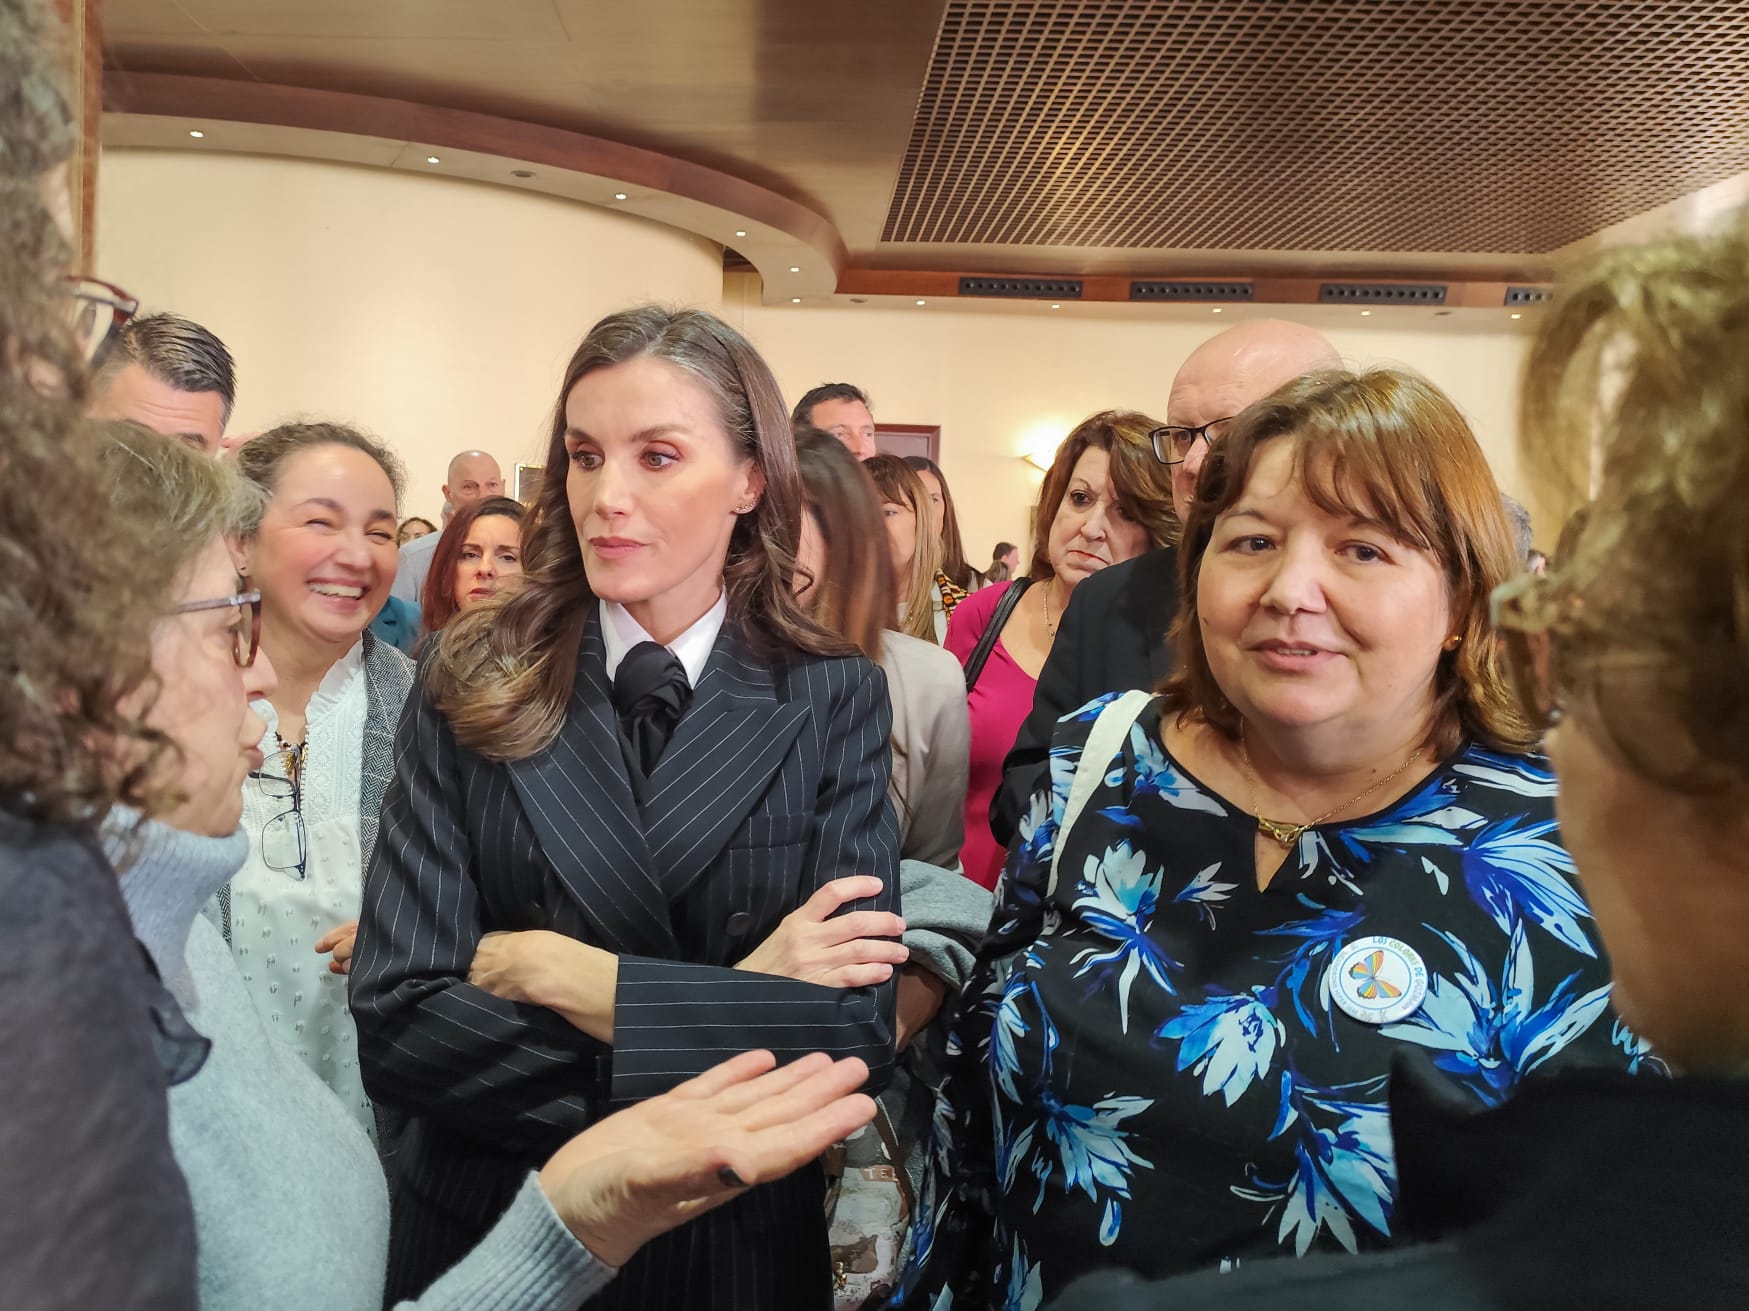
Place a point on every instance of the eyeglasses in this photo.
(100, 311)
(1173, 444)
(283, 845)
(245, 633)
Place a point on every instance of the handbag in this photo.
(992, 631)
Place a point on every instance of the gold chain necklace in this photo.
(1289, 834)
(1050, 628)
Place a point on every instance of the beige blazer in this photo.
(932, 742)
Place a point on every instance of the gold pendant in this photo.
(1286, 834)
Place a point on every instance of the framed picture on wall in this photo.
(904, 439)
(528, 478)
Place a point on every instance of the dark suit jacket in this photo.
(1112, 638)
(774, 783)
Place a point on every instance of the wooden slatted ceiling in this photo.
(1470, 126)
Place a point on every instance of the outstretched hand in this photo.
(663, 1162)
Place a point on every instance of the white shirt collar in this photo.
(620, 633)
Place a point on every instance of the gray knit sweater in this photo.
(290, 1206)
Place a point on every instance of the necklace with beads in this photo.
(1289, 834)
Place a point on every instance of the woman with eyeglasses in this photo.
(1106, 499)
(322, 555)
(1324, 850)
(289, 1200)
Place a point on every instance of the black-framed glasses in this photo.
(246, 633)
(1174, 442)
(284, 846)
(100, 311)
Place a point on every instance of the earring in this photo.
(1453, 642)
(748, 509)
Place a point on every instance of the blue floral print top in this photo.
(1154, 1066)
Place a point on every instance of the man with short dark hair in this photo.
(170, 375)
(841, 409)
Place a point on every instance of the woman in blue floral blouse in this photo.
(1325, 848)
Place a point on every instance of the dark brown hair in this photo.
(953, 549)
(1636, 408)
(503, 673)
(260, 459)
(1142, 483)
(854, 595)
(437, 598)
(1388, 447)
(898, 483)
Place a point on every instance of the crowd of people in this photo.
(700, 887)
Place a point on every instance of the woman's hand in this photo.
(340, 941)
(668, 1160)
(525, 965)
(850, 951)
(921, 995)
(548, 969)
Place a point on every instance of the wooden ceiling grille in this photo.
(1462, 126)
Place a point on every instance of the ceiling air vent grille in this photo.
(1478, 127)
(1183, 290)
(1381, 293)
(1023, 288)
(1528, 295)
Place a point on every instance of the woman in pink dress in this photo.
(1105, 499)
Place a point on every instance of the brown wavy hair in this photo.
(1389, 447)
(75, 623)
(1142, 483)
(503, 673)
(898, 483)
(854, 596)
(437, 604)
(1636, 405)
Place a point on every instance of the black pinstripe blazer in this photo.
(774, 783)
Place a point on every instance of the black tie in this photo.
(650, 693)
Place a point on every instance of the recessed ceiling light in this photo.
(1215, 310)
(795, 300)
(1518, 316)
(1056, 307)
(619, 195)
(196, 134)
(795, 268)
(522, 172)
(923, 302)
(432, 159)
(1365, 313)
(739, 232)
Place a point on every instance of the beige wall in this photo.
(1001, 381)
(438, 314)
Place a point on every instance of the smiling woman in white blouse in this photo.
(322, 556)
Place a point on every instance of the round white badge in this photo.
(1378, 980)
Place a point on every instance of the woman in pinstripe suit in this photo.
(568, 913)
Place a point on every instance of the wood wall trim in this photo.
(311, 109)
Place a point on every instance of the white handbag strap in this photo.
(1106, 740)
